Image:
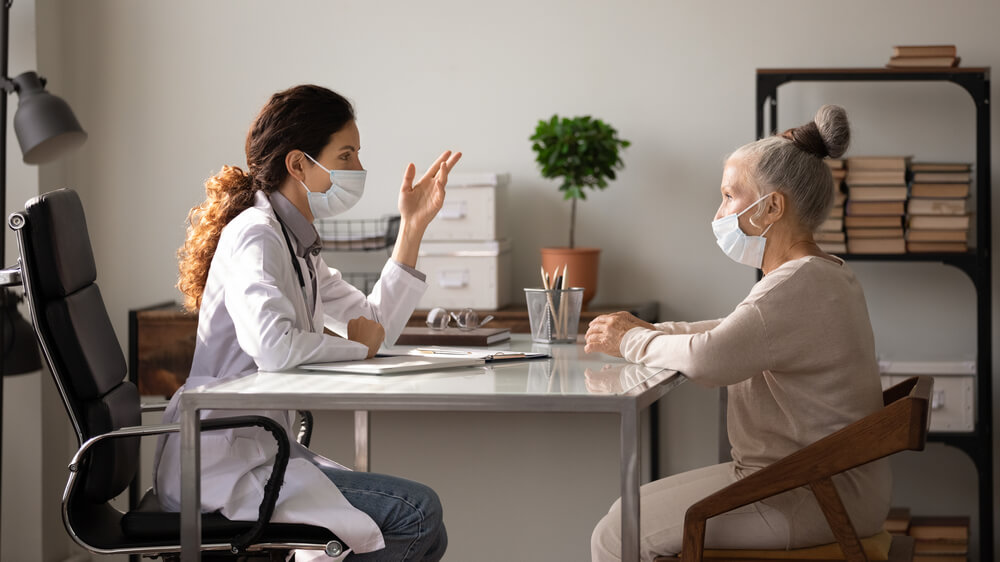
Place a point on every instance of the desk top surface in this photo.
(569, 377)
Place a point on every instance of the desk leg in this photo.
(362, 433)
(630, 482)
(190, 485)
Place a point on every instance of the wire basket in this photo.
(353, 235)
(364, 281)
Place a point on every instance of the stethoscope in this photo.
(295, 264)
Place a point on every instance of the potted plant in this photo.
(584, 152)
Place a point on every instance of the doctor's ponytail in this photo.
(300, 118)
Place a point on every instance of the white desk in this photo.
(558, 384)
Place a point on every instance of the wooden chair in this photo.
(901, 425)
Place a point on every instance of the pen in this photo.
(442, 351)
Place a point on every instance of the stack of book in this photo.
(830, 234)
(937, 219)
(940, 539)
(876, 199)
(898, 521)
(924, 56)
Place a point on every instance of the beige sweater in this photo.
(798, 358)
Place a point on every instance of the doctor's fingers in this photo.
(442, 175)
(408, 175)
(433, 169)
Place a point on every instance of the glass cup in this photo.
(554, 314)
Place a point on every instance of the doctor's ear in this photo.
(295, 164)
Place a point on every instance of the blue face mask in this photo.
(748, 250)
(346, 190)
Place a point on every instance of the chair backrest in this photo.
(76, 336)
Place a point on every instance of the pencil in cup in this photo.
(551, 323)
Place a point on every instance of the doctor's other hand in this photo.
(606, 332)
(420, 202)
(367, 332)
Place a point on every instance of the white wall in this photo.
(166, 91)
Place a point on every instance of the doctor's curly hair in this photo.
(300, 118)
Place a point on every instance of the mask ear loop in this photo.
(758, 213)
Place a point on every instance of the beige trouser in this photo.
(663, 504)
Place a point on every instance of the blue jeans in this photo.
(408, 514)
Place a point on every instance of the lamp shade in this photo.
(44, 124)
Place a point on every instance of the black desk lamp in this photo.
(45, 129)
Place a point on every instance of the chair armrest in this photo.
(305, 427)
(271, 487)
(153, 406)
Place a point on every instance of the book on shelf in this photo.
(940, 167)
(876, 177)
(858, 163)
(939, 222)
(924, 51)
(954, 527)
(855, 233)
(936, 247)
(898, 520)
(838, 175)
(937, 235)
(942, 177)
(416, 335)
(940, 547)
(836, 212)
(924, 62)
(855, 221)
(876, 245)
(932, 206)
(839, 197)
(821, 236)
(834, 163)
(876, 192)
(875, 207)
(943, 190)
(940, 558)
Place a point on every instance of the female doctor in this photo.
(251, 267)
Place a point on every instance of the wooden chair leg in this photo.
(840, 523)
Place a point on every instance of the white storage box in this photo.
(473, 209)
(953, 397)
(465, 274)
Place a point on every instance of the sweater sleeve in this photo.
(735, 349)
(687, 327)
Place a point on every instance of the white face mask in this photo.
(347, 188)
(748, 250)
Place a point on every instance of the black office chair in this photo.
(80, 347)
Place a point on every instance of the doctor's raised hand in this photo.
(419, 203)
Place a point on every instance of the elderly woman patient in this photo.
(797, 355)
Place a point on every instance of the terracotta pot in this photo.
(582, 264)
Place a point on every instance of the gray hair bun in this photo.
(831, 122)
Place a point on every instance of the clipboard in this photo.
(486, 354)
(395, 364)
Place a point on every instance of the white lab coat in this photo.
(254, 315)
